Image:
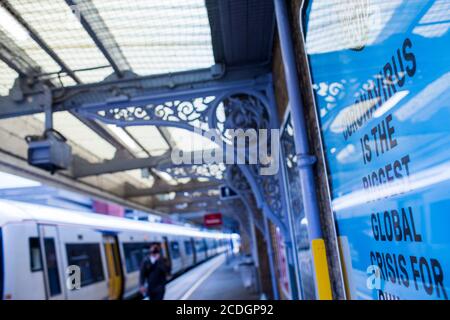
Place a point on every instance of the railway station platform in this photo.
(215, 279)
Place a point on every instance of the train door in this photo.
(166, 250)
(115, 278)
(51, 262)
(205, 246)
(194, 251)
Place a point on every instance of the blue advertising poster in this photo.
(381, 78)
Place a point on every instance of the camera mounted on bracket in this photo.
(50, 151)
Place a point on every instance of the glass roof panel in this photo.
(15, 36)
(54, 22)
(189, 141)
(159, 36)
(7, 77)
(150, 138)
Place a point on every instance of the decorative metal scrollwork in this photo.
(267, 186)
(271, 191)
(236, 179)
(217, 109)
(290, 162)
(225, 107)
(240, 111)
(190, 112)
(211, 171)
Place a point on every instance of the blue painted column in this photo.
(255, 251)
(288, 235)
(305, 160)
(276, 295)
(294, 271)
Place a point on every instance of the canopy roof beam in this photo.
(109, 91)
(206, 205)
(162, 188)
(82, 168)
(188, 200)
(94, 36)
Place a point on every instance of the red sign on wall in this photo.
(212, 219)
(108, 208)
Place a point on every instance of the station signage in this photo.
(212, 219)
(227, 193)
(383, 104)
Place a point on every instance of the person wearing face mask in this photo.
(153, 274)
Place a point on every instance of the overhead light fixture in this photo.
(166, 177)
(125, 138)
(9, 23)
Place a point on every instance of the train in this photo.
(42, 248)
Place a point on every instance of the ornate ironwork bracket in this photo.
(243, 102)
(232, 105)
(213, 172)
(267, 194)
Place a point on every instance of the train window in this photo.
(134, 254)
(175, 249)
(52, 266)
(188, 247)
(87, 257)
(203, 246)
(35, 255)
(199, 246)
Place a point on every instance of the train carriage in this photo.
(43, 248)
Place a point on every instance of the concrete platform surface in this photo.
(215, 279)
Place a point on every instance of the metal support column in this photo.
(293, 271)
(289, 241)
(276, 295)
(305, 159)
(255, 253)
(291, 224)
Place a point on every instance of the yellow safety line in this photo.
(321, 267)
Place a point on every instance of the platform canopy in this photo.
(81, 43)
